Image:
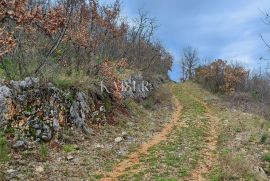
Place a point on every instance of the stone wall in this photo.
(34, 111)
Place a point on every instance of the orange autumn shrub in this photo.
(16, 17)
(222, 77)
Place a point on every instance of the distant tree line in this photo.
(243, 88)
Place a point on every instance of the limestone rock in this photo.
(118, 139)
(19, 145)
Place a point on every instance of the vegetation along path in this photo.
(134, 158)
(183, 150)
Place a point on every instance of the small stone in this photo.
(108, 146)
(76, 161)
(129, 139)
(99, 145)
(118, 139)
(39, 169)
(12, 174)
(121, 152)
(38, 132)
(96, 113)
(87, 130)
(55, 124)
(124, 133)
(11, 171)
(70, 157)
(102, 109)
(19, 145)
(47, 133)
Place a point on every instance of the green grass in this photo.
(264, 137)
(43, 152)
(2, 75)
(64, 81)
(4, 150)
(215, 174)
(266, 157)
(149, 104)
(240, 138)
(69, 148)
(28, 154)
(176, 157)
(139, 124)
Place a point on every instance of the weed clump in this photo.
(4, 150)
(264, 138)
(266, 157)
(44, 152)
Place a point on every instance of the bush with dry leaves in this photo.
(219, 76)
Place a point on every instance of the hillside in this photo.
(200, 137)
(134, 90)
(209, 141)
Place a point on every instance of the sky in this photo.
(228, 30)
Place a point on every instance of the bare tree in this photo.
(189, 61)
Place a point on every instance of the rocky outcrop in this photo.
(33, 110)
(29, 109)
(78, 111)
(5, 94)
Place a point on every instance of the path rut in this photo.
(209, 157)
(134, 158)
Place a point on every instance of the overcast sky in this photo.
(219, 29)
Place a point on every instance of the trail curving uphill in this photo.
(134, 158)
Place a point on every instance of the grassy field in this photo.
(176, 157)
(241, 153)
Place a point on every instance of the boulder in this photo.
(27, 83)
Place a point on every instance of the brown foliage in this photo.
(77, 36)
(7, 43)
(26, 19)
(83, 29)
(107, 71)
(17, 11)
(219, 76)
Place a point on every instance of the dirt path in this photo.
(209, 156)
(134, 158)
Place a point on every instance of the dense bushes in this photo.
(70, 37)
(221, 77)
(245, 91)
